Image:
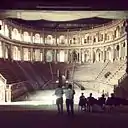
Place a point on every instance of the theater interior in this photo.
(40, 49)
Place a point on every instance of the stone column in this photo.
(68, 37)
(43, 38)
(65, 56)
(113, 53)
(103, 59)
(56, 39)
(21, 36)
(80, 56)
(4, 27)
(8, 94)
(21, 53)
(55, 56)
(69, 56)
(120, 50)
(31, 37)
(3, 50)
(12, 52)
(126, 29)
(91, 56)
(44, 55)
(10, 32)
(80, 37)
(31, 54)
(126, 46)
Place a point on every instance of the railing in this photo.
(122, 78)
(115, 72)
(14, 84)
(81, 86)
(3, 79)
(46, 84)
(102, 70)
(51, 70)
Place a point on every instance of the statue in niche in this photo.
(70, 41)
(94, 39)
(85, 41)
(74, 40)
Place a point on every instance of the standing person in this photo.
(69, 94)
(82, 102)
(102, 101)
(59, 99)
(90, 102)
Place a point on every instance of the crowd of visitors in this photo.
(85, 104)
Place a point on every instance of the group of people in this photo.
(69, 94)
(85, 104)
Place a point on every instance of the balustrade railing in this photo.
(16, 85)
(3, 79)
(122, 78)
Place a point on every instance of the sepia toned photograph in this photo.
(56, 60)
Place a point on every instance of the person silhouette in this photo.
(59, 99)
(82, 102)
(69, 94)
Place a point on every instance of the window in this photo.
(85, 41)
(117, 48)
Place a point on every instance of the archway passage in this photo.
(123, 51)
(108, 54)
(62, 56)
(117, 52)
(86, 56)
(49, 56)
(74, 56)
(98, 55)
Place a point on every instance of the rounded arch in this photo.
(26, 54)
(2, 27)
(109, 53)
(49, 39)
(6, 31)
(74, 55)
(117, 31)
(26, 37)
(116, 51)
(49, 56)
(61, 56)
(123, 50)
(86, 56)
(37, 38)
(62, 39)
(110, 35)
(16, 53)
(100, 37)
(74, 39)
(15, 33)
(98, 55)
